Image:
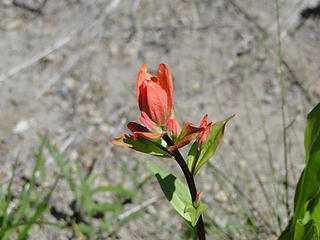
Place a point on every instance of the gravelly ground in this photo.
(71, 73)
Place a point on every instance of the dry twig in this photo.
(36, 9)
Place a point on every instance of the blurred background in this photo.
(68, 70)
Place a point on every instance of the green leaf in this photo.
(175, 191)
(64, 166)
(143, 145)
(312, 130)
(85, 197)
(92, 178)
(216, 135)
(102, 207)
(40, 209)
(308, 226)
(305, 222)
(310, 183)
(5, 201)
(192, 155)
(144, 181)
(26, 196)
(195, 212)
(86, 229)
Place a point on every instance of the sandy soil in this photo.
(70, 72)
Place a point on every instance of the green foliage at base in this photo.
(21, 211)
(305, 222)
(30, 206)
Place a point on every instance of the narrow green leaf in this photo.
(102, 207)
(312, 130)
(117, 208)
(175, 191)
(24, 201)
(13, 226)
(216, 135)
(123, 174)
(11, 182)
(195, 212)
(6, 200)
(39, 211)
(85, 193)
(42, 167)
(86, 229)
(143, 145)
(92, 178)
(192, 155)
(305, 231)
(62, 164)
(308, 226)
(314, 208)
(305, 222)
(145, 180)
(310, 184)
(135, 173)
(3, 213)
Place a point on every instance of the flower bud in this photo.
(205, 133)
(173, 128)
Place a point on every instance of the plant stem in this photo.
(283, 102)
(191, 184)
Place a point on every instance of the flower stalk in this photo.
(191, 184)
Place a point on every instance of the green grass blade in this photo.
(5, 201)
(85, 194)
(39, 211)
(145, 180)
(25, 199)
(62, 164)
(61, 226)
(102, 207)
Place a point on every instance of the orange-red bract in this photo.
(155, 96)
(173, 128)
(155, 99)
(205, 132)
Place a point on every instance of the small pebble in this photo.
(221, 196)
(6, 3)
(63, 91)
(21, 126)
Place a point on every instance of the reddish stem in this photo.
(191, 184)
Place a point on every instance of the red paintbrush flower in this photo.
(155, 97)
